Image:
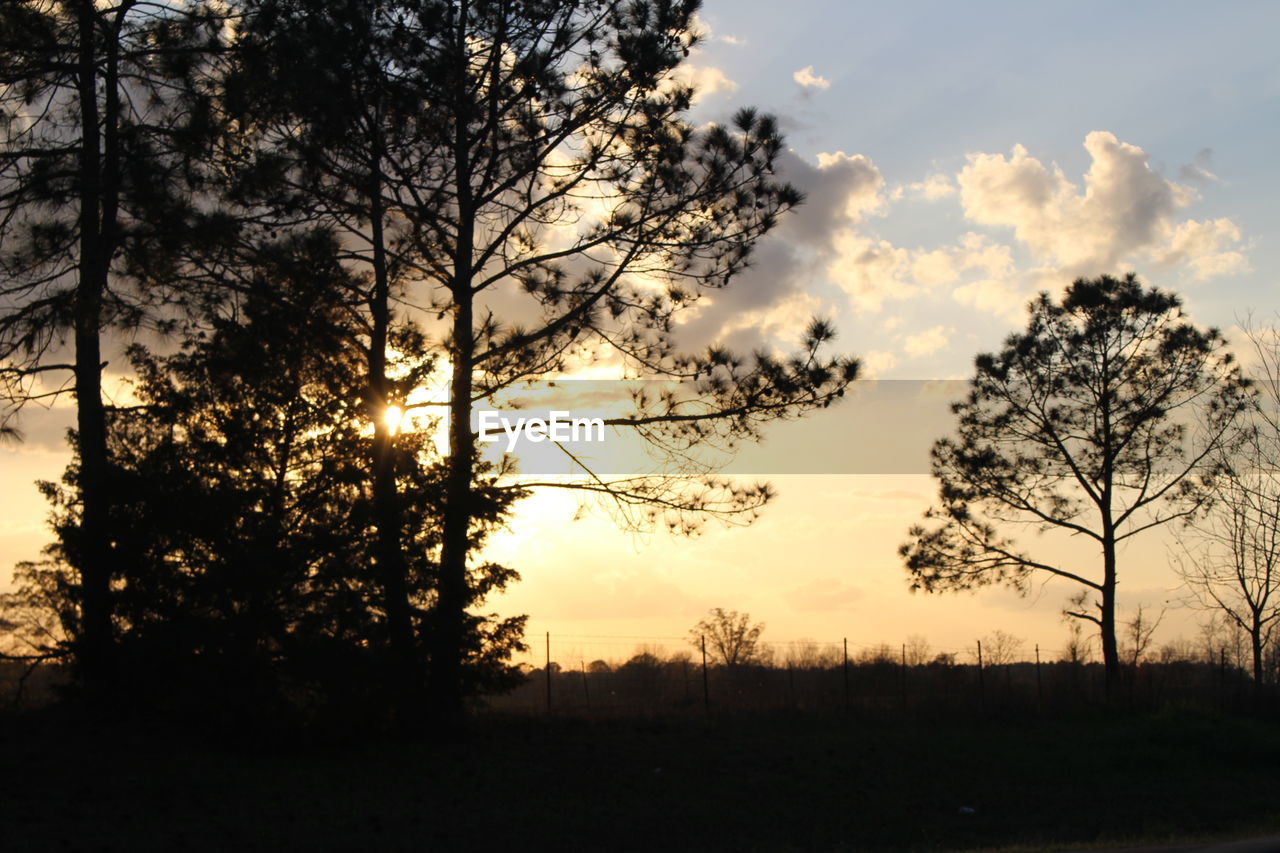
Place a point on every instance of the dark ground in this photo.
(775, 782)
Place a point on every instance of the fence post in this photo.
(846, 674)
(586, 691)
(547, 669)
(706, 688)
(982, 687)
(1222, 677)
(1039, 683)
(904, 676)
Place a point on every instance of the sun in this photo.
(391, 417)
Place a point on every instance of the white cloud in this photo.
(1201, 245)
(1000, 296)
(934, 187)
(872, 271)
(1224, 263)
(978, 252)
(808, 79)
(781, 321)
(733, 40)
(1124, 214)
(706, 80)
(840, 190)
(928, 341)
(869, 270)
(936, 267)
(857, 179)
(876, 363)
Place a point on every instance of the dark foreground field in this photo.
(739, 783)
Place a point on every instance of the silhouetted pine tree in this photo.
(519, 120)
(91, 136)
(243, 507)
(1104, 419)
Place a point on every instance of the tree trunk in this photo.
(406, 678)
(94, 652)
(449, 629)
(1255, 639)
(452, 593)
(1107, 620)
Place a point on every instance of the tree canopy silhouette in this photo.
(242, 511)
(505, 192)
(549, 202)
(1102, 420)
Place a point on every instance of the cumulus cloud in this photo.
(870, 270)
(976, 251)
(876, 363)
(855, 181)
(809, 80)
(1125, 212)
(993, 283)
(936, 267)
(1120, 215)
(840, 192)
(1123, 215)
(1000, 296)
(1204, 248)
(928, 341)
(706, 80)
(782, 321)
(934, 187)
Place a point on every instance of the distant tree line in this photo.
(1209, 670)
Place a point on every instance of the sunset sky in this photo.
(957, 158)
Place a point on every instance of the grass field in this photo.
(749, 782)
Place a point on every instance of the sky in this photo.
(957, 159)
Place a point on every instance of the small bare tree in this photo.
(916, 650)
(1178, 650)
(1000, 648)
(881, 654)
(806, 653)
(1079, 648)
(1138, 632)
(1210, 637)
(731, 638)
(1229, 557)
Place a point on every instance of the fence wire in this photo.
(629, 673)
